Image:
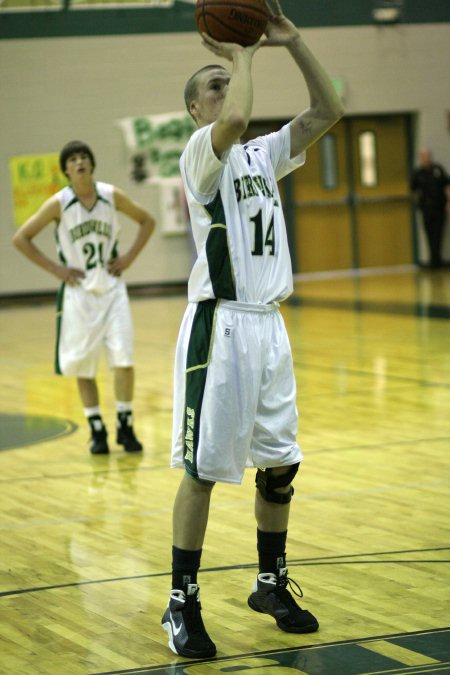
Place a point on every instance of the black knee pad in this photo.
(267, 483)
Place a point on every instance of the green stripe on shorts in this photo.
(198, 356)
(59, 311)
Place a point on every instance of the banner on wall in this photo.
(34, 178)
(154, 144)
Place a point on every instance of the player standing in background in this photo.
(93, 305)
(234, 388)
(430, 186)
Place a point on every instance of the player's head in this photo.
(73, 148)
(425, 157)
(204, 93)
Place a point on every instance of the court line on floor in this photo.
(415, 309)
(374, 446)
(179, 665)
(306, 562)
(387, 377)
(217, 507)
(163, 467)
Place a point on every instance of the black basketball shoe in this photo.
(125, 433)
(184, 625)
(99, 442)
(271, 596)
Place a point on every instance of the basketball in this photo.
(239, 21)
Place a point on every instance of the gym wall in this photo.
(61, 88)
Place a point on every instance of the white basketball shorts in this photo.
(234, 391)
(87, 323)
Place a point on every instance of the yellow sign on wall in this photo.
(34, 178)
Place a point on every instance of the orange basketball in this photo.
(240, 21)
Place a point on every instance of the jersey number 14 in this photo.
(263, 238)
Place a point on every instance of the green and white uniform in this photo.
(235, 392)
(96, 313)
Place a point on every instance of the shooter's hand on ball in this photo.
(226, 49)
(280, 30)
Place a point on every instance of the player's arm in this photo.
(23, 240)
(146, 224)
(235, 113)
(325, 106)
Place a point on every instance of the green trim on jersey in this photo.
(218, 254)
(59, 248)
(197, 361)
(59, 311)
(73, 201)
(76, 200)
(115, 250)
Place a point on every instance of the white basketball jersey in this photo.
(87, 238)
(237, 219)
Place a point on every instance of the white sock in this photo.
(124, 406)
(90, 412)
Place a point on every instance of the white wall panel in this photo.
(59, 89)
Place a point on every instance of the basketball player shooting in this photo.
(234, 388)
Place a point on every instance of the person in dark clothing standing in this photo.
(430, 188)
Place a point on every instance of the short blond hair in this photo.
(190, 90)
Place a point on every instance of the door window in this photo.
(367, 147)
(328, 162)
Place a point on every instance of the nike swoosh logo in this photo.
(175, 629)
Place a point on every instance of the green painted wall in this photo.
(180, 18)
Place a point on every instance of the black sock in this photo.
(271, 551)
(185, 565)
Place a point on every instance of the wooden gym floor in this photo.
(86, 541)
